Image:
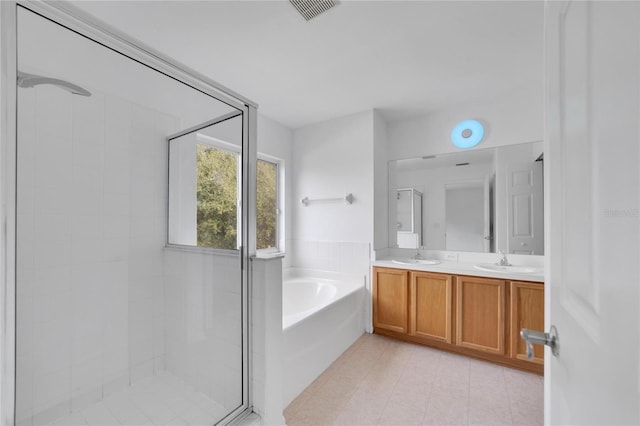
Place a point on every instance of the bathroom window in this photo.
(205, 188)
(267, 204)
(205, 193)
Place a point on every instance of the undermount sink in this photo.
(492, 267)
(416, 261)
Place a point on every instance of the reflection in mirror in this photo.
(478, 201)
(409, 218)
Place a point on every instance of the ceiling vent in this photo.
(309, 9)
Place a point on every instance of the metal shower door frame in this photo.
(85, 25)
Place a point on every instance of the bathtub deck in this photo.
(381, 381)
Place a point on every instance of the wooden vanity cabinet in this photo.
(430, 306)
(391, 300)
(480, 314)
(527, 311)
(474, 316)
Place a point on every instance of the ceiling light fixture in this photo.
(467, 134)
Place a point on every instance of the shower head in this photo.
(31, 80)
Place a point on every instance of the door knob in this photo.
(532, 337)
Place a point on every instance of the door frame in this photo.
(87, 26)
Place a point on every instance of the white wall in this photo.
(332, 159)
(511, 119)
(380, 182)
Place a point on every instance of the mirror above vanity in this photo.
(480, 200)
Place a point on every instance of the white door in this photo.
(592, 192)
(525, 208)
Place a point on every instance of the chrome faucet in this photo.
(418, 256)
(503, 260)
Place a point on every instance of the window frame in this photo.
(279, 249)
(280, 207)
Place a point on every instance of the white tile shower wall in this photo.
(203, 341)
(336, 256)
(91, 226)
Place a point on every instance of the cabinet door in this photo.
(480, 314)
(527, 311)
(390, 299)
(430, 313)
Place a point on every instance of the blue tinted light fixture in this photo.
(467, 134)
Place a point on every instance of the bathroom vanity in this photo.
(478, 314)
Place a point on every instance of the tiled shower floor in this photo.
(381, 381)
(157, 400)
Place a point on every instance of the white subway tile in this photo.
(53, 200)
(52, 253)
(116, 204)
(116, 226)
(87, 345)
(52, 347)
(85, 399)
(115, 249)
(116, 177)
(141, 371)
(51, 168)
(52, 307)
(87, 201)
(53, 110)
(47, 415)
(86, 376)
(51, 390)
(86, 227)
(86, 251)
(53, 280)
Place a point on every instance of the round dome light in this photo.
(467, 134)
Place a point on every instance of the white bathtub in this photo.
(323, 314)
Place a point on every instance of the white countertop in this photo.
(461, 268)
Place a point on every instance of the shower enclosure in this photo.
(115, 323)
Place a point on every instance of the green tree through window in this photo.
(217, 194)
(267, 204)
(217, 199)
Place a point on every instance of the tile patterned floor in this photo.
(157, 400)
(381, 381)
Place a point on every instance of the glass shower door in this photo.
(115, 325)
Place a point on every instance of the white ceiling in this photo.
(403, 58)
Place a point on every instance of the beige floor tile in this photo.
(448, 409)
(361, 410)
(527, 414)
(299, 401)
(381, 381)
(320, 412)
